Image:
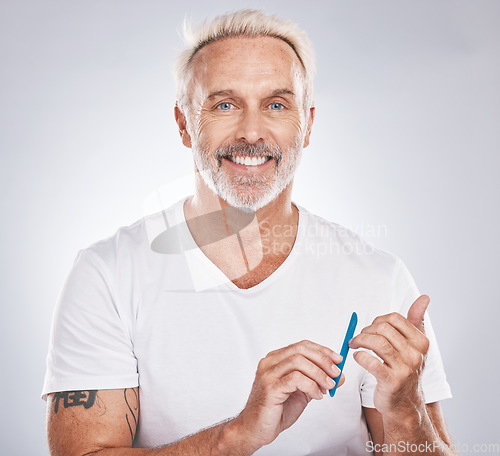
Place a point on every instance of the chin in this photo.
(246, 199)
(244, 192)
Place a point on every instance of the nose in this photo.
(251, 126)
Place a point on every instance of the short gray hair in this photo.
(249, 23)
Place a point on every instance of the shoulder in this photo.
(132, 243)
(327, 238)
(126, 240)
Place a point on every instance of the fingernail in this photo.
(330, 382)
(336, 370)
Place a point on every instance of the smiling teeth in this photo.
(249, 161)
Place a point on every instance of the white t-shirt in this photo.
(174, 325)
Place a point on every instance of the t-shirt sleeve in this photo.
(90, 344)
(435, 387)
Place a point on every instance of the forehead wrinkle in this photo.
(228, 93)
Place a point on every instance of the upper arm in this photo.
(82, 422)
(375, 423)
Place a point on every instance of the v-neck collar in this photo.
(215, 278)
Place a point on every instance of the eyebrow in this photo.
(282, 92)
(221, 93)
(228, 93)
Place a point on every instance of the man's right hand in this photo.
(104, 422)
(286, 381)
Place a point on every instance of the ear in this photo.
(309, 126)
(180, 118)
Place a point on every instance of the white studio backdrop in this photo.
(404, 150)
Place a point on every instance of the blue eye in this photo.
(225, 106)
(276, 106)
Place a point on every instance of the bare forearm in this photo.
(219, 440)
(413, 435)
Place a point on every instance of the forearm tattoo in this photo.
(131, 400)
(74, 399)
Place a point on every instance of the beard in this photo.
(248, 193)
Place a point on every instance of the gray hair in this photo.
(250, 23)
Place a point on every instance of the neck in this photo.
(246, 248)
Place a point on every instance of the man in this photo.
(156, 337)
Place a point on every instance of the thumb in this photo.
(417, 311)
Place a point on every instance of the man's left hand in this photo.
(402, 346)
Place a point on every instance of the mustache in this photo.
(252, 150)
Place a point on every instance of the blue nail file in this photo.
(345, 349)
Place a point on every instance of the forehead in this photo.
(238, 61)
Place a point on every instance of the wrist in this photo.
(406, 412)
(233, 440)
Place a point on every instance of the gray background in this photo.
(404, 150)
